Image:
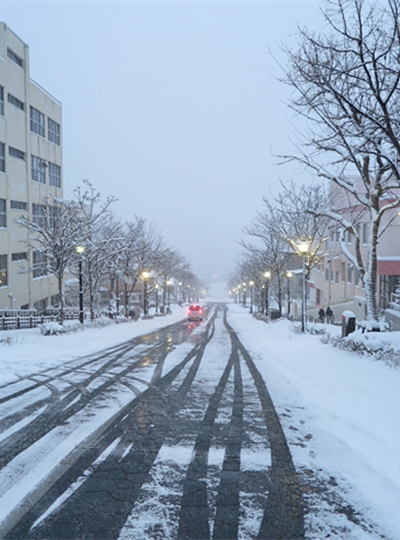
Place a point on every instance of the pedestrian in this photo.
(329, 315)
(321, 315)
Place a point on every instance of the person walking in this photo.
(321, 315)
(329, 315)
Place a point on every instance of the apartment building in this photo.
(30, 170)
(336, 281)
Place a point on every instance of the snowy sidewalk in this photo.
(347, 407)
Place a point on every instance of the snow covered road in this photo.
(226, 429)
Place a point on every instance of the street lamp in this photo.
(244, 294)
(251, 283)
(156, 288)
(145, 277)
(169, 295)
(117, 293)
(288, 276)
(303, 249)
(80, 250)
(180, 293)
(267, 276)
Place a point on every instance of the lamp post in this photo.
(117, 293)
(251, 283)
(80, 250)
(145, 277)
(267, 276)
(288, 276)
(169, 296)
(303, 249)
(156, 288)
(244, 294)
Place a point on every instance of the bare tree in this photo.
(137, 245)
(291, 217)
(171, 264)
(347, 87)
(98, 232)
(54, 232)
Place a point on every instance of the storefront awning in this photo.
(389, 268)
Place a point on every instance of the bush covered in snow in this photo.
(54, 328)
(5, 339)
(384, 346)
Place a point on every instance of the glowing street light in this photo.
(303, 249)
(251, 283)
(288, 276)
(145, 277)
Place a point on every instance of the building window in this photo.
(336, 277)
(39, 214)
(18, 205)
(343, 271)
(327, 274)
(55, 300)
(18, 257)
(3, 271)
(357, 277)
(3, 214)
(40, 306)
(350, 273)
(15, 101)
(2, 157)
(2, 100)
(16, 153)
(53, 131)
(37, 122)
(14, 57)
(39, 264)
(38, 169)
(54, 175)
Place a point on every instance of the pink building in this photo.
(336, 281)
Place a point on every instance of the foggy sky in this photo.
(172, 107)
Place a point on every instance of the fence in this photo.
(18, 321)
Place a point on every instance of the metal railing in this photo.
(20, 321)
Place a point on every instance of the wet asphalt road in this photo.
(210, 408)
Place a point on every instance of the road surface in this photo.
(169, 435)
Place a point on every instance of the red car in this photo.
(195, 313)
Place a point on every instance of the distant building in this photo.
(30, 170)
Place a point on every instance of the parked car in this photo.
(195, 313)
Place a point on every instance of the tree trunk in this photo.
(61, 295)
(371, 274)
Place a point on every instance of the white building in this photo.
(30, 170)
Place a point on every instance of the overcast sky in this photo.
(172, 107)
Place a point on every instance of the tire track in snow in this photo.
(60, 409)
(101, 505)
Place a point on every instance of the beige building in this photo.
(336, 282)
(30, 170)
